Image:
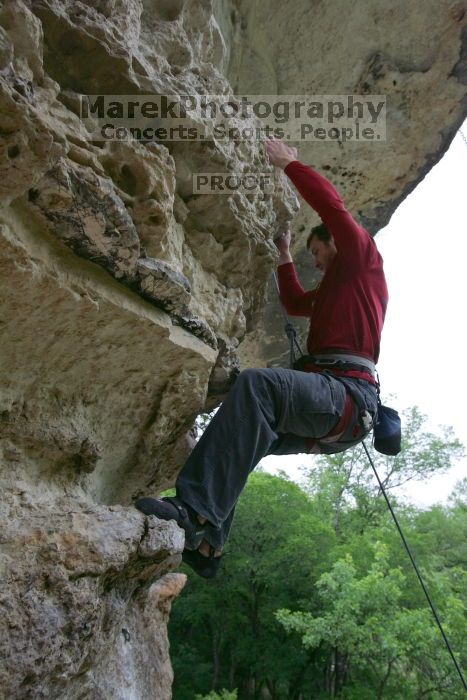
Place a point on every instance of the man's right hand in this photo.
(282, 244)
(279, 153)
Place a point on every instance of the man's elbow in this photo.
(295, 310)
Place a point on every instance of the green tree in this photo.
(224, 632)
(355, 623)
(223, 695)
(346, 479)
(377, 648)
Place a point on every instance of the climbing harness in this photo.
(387, 423)
(391, 432)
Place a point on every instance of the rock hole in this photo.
(128, 181)
(137, 66)
(169, 10)
(13, 151)
(28, 679)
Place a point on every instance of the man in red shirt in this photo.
(347, 309)
(285, 411)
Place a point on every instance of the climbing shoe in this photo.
(172, 508)
(207, 567)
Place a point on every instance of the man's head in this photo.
(322, 247)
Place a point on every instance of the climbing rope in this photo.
(407, 549)
(290, 331)
(292, 336)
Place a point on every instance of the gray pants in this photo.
(267, 411)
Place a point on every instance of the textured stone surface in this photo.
(127, 300)
(159, 282)
(84, 210)
(78, 618)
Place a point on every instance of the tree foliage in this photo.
(317, 598)
(223, 695)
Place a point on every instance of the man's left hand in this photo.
(282, 243)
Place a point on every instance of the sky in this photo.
(423, 359)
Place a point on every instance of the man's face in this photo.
(323, 252)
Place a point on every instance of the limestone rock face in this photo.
(84, 210)
(80, 619)
(129, 302)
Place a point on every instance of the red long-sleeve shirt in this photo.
(347, 310)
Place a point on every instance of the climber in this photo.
(285, 411)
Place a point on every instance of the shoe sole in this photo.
(207, 567)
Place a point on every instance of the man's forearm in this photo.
(320, 194)
(294, 298)
(282, 243)
(284, 258)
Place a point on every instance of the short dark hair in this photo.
(320, 232)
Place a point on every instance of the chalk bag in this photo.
(387, 432)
